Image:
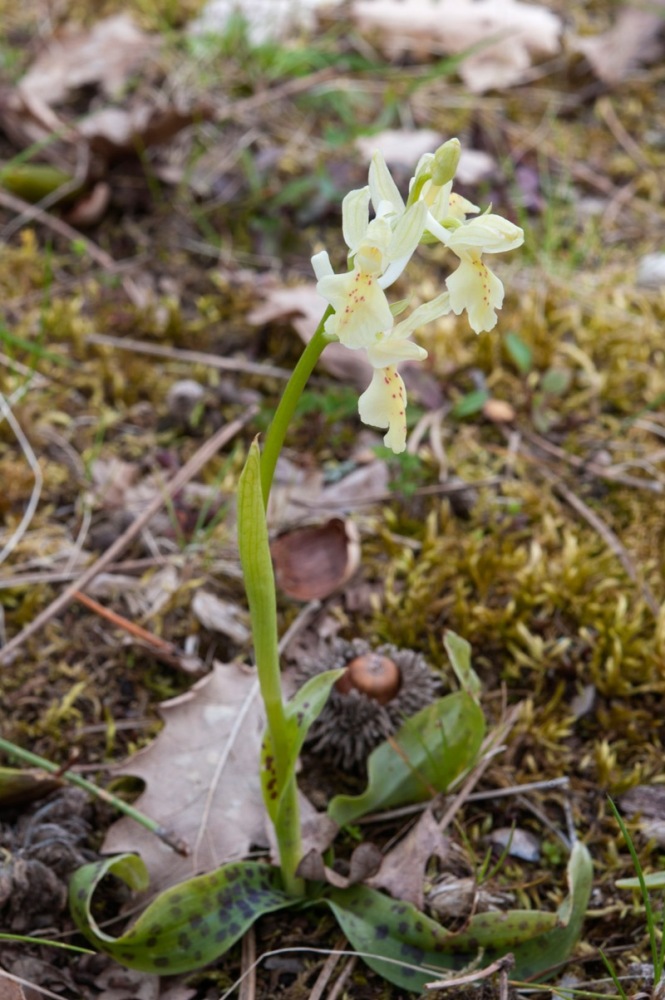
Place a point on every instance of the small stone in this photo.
(651, 271)
(498, 411)
(183, 397)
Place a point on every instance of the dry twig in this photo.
(183, 476)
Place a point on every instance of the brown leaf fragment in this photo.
(634, 40)
(116, 131)
(402, 148)
(202, 779)
(90, 209)
(303, 307)
(221, 616)
(313, 562)
(20, 786)
(299, 491)
(649, 802)
(104, 55)
(117, 983)
(11, 990)
(366, 861)
(403, 870)
(312, 867)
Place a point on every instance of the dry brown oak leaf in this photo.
(202, 779)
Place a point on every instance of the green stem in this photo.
(287, 405)
(100, 793)
(278, 762)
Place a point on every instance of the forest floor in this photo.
(151, 307)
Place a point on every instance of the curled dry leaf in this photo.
(402, 873)
(365, 862)
(114, 131)
(299, 490)
(90, 208)
(10, 989)
(314, 561)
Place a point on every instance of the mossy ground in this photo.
(554, 572)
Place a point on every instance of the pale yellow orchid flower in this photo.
(383, 403)
(379, 251)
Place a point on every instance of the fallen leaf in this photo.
(400, 147)
(19, 786)
(365, 862)
(649, 802)
(505, 33)
(117, 131)
(202, 779)
(221, 616)
(117, 983)
(402, 873)
(10, 989)
(300, 493)
(303, 307)
(106, 55)
(91, 208)
(112, 479)
(634, 40)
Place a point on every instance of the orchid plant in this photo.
(195, 922)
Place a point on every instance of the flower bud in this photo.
(445, 163)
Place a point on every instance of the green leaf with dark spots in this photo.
(435, 746)
(534, 958)
(301, 711)
(185, 927)
(410, 949)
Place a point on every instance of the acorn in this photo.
(379, 689)
(377, 676)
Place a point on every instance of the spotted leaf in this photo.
(409, 949)
(186, 926)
